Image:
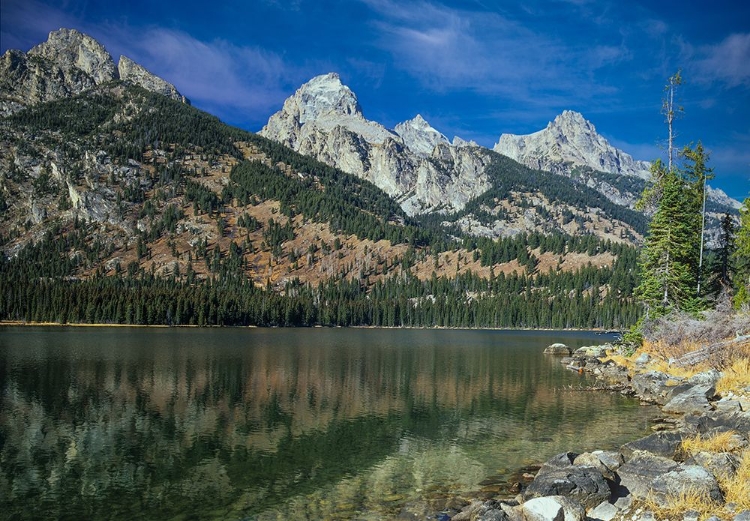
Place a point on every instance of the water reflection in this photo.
(112, 423)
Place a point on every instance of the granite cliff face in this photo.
(67, 64)
(568, 142)
(414, 163)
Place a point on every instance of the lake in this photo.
(169, 423)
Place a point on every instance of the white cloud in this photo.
(217, 74)
(727, 62)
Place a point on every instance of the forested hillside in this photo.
(123, 206)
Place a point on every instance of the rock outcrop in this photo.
(67, 64)
(414, 164)
(570, 141)
(137, 74)
(419, 136)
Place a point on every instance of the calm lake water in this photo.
(132, 423)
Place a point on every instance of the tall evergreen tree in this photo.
(668, 263)
(724, 261)
(696, 173)
(741, 258)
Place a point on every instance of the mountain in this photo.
(571, 146)
(67, 64)
(568, 142)
(419, 136)
(414, 163)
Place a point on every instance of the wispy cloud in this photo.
(727, 62)
(219, 74)
(449, 48)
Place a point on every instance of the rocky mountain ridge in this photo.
(570, 141)
(418, 166)
(571, 146)
(415, 164)
(65, 65)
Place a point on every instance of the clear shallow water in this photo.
(132, 423)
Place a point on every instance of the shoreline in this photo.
(635, 475)
(24, 323)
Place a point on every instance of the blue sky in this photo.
(474, 69)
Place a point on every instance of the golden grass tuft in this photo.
(721, 442)
(735, 378)
(674, 507)
(735, 487)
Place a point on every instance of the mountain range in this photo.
(107, 170)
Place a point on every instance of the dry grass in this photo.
(737, 488)
(721, 442)
(674, 507)
(735, 378)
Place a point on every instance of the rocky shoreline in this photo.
(654, 477)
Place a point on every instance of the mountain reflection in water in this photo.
(115, 423)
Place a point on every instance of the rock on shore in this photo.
(615, 485)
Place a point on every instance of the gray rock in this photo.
(605, 462)
(686, 477)
(594, 351)
(664, 444)
(137, 74)
(718, 421)
(650, 385)
(585, 485)
(719, 464)
(552, 508)
(742, 516)
(643, 359)
(558, 349)
(638, 474)
(488, 511)
(323, 119)
(603, 512)
(559, 461)
(67, 64)
(691, 515)
(709, 377)
(691, 401)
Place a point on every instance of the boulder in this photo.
(552, 508)
(638, 474)
(691, 401)
(719, 421)
(650, 385)
(592, 351)
(605, 462)
(718, 464)
(683, 478)
(742, 516)
(709, 377)
(586, 485)
(558, 349)
(665, 444)
(605, 511)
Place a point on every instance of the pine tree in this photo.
(668, 263)
(741, 258)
